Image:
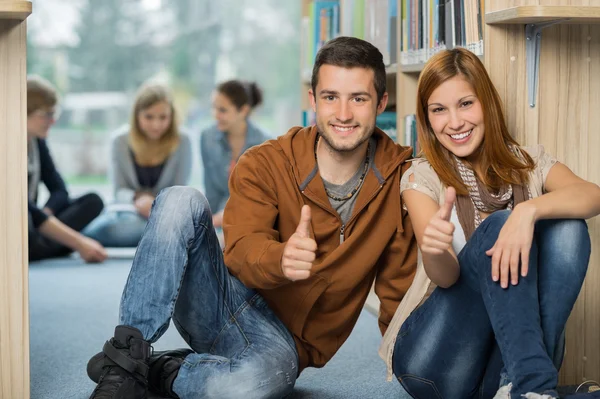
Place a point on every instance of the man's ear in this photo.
(313, 100)
(382, 103)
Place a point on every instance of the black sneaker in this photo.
(163, 369)
(123, 371)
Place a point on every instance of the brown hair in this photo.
(147, 152)
(241, 93)
(40, 94)
(496, 160)
(351, 52)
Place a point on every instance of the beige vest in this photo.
(427, 182)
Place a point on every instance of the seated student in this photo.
(54, 229)
(222, 144)
(305, 242)
(504, 247)
(146, 157)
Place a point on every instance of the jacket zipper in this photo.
(342, 233)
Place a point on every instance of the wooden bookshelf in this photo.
(18, 10)
(14, 298)
(539, 14)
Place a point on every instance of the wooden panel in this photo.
(14, 320)
(10, 9)
(536, 14)
(592, 291)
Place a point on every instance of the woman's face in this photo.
(226, 114)
(155, 120)
(40, 121)
(456, 117)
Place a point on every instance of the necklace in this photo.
(360, 180)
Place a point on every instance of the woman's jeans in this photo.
(242, 349)
(78, 214)
(117, 228)
(446, 348)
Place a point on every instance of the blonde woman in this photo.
(148, 156)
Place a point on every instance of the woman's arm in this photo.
(90, 250)
(434, 233)
(59, 197)
(567, 197)
(121, 190)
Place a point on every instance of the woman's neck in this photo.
(239, 131)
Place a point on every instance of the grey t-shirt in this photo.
(344, 207)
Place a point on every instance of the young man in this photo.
(54, 229)
(314, 218)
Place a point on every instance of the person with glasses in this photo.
(53, 229)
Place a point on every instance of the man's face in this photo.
(346, 106)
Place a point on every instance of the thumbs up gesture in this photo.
(437, 237)
(300, 251)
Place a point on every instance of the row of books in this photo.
(375, 21)
(428, 26)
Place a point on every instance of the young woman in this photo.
(503, 242)
(151, 154)
(222, 144)
(54, 229)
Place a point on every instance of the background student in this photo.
(54, 229)
(223, 143)
(146, 157)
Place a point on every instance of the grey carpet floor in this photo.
(74, 308)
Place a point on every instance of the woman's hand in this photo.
(143, 204)
(513, 245)
(437, 237)
(218, 219)
(90, 250)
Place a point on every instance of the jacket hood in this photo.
(300, 153)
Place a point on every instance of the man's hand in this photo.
(299, 252)
(438, 234)
(90, 250)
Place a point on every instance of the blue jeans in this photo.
(242, 349)
(459, 341)
(117, 228)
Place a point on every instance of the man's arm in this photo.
(59, 197)
(397, 266)
(253, 250)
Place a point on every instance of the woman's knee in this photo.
(93, 203)
(564, 243)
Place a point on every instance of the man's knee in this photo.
(183, 199)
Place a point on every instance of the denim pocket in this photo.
(419, 388)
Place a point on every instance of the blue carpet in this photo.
(74, 309)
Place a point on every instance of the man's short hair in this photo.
(40, 94)
(351, 52)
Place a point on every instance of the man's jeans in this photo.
(446, 348)
(242, 349)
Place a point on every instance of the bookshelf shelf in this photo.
(19, 10)
(412, 68)
(391, 69)
(541, 14)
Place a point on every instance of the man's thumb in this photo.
(446, 209)
(303, 228)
